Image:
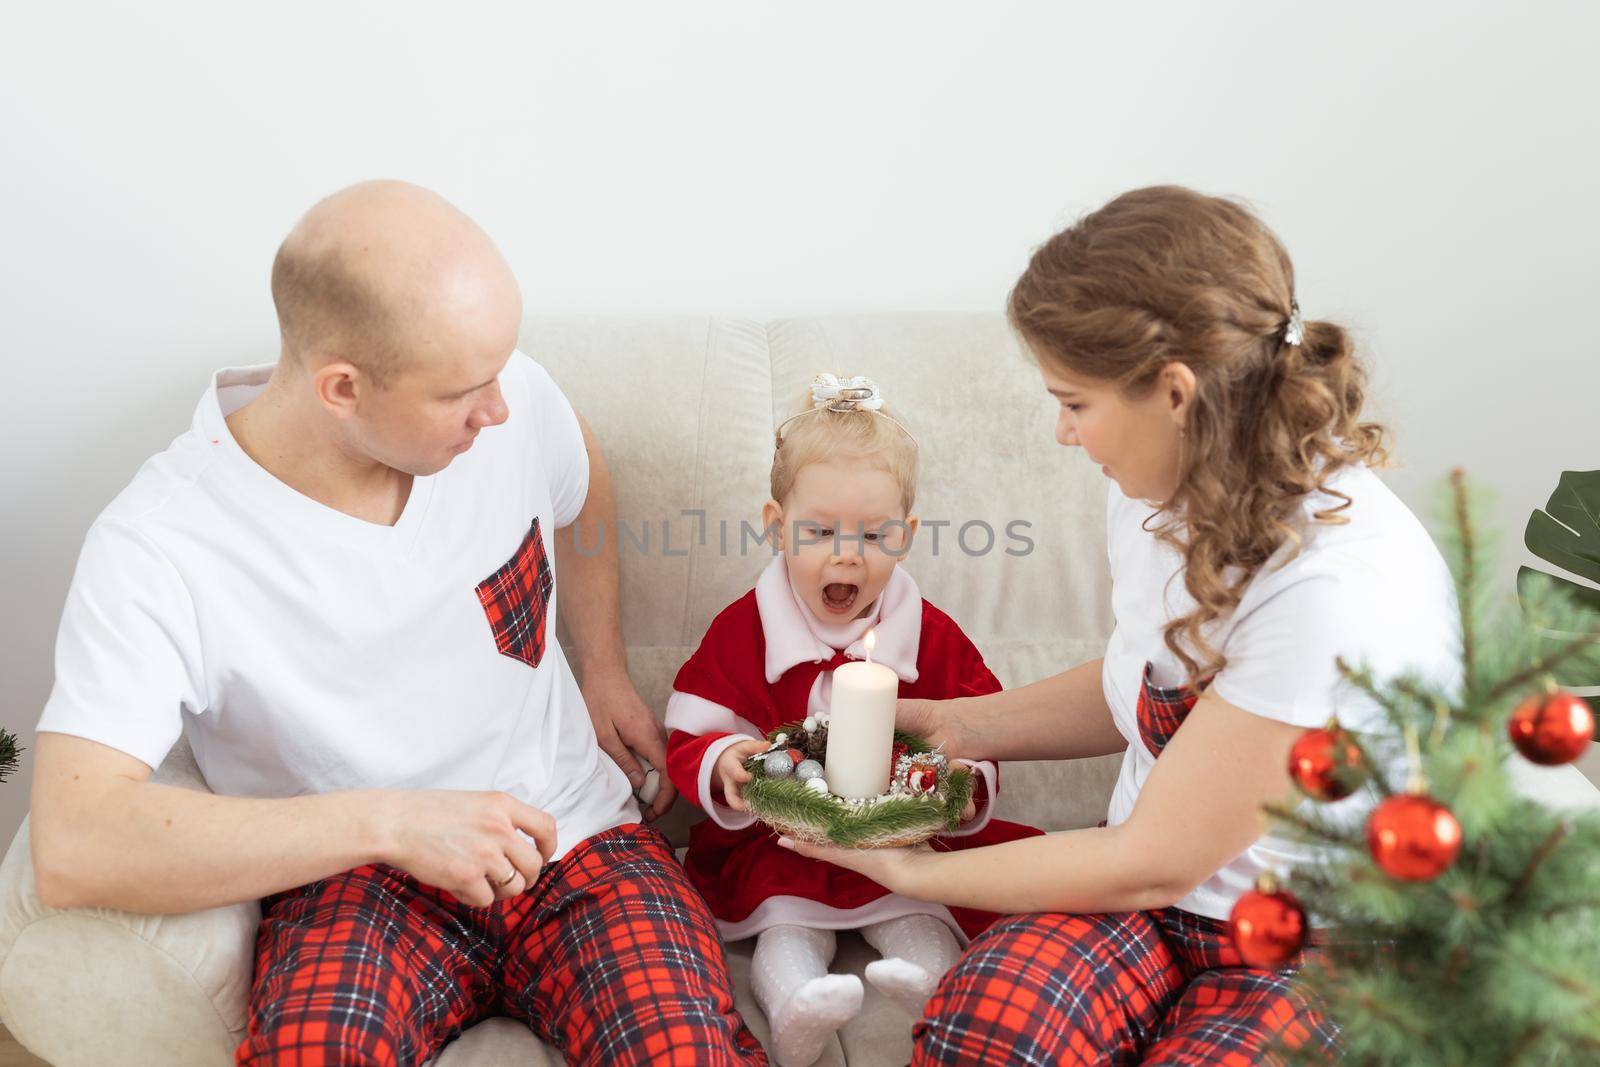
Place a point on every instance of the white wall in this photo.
(1431, 166)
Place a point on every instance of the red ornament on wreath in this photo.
(922, 776)
(1267, 925)
(1326, 764)
(1413, 837)
(1552, 728)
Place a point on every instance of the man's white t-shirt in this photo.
(303, 650)
(1373, 590)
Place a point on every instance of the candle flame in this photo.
(871, 642)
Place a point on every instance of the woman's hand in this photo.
(935, 721)
(898, 870)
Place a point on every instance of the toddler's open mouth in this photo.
(839, 597)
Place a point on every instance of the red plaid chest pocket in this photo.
(1162, 709)
(516, 599)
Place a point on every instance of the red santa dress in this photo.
(767, 660)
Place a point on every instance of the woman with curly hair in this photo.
(1250, 544)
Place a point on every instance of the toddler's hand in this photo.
(731, 773)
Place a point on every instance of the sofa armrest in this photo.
(94, 985)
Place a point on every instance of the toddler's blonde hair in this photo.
(823, 435)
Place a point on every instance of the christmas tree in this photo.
(1459, 922)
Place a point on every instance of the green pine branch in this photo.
(788, 801)
(1551, 842)
(1466, 576)
(10, 754)
(1312, 829)
(1543, 667)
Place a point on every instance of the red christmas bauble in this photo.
(1267, 927)
(1326, 764)
(1413, 837)
(1552, 728)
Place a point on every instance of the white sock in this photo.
(804, 1003)
(917, 952)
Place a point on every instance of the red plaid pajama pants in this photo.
(1160, 987)
(611, 956)
(1148, 987)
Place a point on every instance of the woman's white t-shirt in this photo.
(1373, 589)
(302, 650)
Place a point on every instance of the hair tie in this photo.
(1294, 332)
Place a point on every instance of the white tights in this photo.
(805, 1004)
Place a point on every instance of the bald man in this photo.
(338, 584)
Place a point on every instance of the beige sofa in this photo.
(685, 408)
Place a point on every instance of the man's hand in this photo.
(624, 725)
(467, 843)
(730, 772)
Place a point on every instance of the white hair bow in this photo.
(847, 394)
(829, 392)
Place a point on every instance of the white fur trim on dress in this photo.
(803, 911)
(986, 812)
(790, 640)
(699, 716)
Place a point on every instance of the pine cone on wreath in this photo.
(816, 743)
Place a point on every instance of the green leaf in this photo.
(1566, 534)
(1585, 597)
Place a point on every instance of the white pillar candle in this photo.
(861, 728)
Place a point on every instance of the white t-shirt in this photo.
(303, 650)
(1372, 590)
